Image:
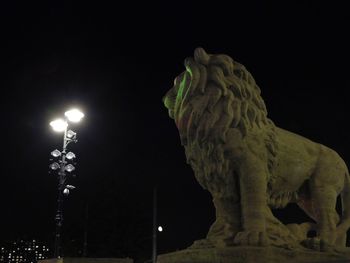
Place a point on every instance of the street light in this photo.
(56, 153)
(62, 166)
(59, 125)
(74, 115)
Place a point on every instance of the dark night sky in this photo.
(116, 62)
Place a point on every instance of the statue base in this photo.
(252, 255)
(86, 260)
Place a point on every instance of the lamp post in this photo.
(156, 228)
(62, 166)
(154, 236)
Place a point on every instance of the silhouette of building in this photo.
(23, 251)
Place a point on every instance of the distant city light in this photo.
(23, 251)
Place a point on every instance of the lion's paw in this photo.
(251, 238)
(317, 244)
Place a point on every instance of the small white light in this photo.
(66, 191)
(74, 115)
(56, 153)
(160, 229)
(70, 187)
(70, 168)
(59, 125)
(71, 134)
(54, 166)
(70, 156)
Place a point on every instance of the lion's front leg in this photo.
(252, 182)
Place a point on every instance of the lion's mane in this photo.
(213, 95)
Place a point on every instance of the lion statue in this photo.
(249, 165)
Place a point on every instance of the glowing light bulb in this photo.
(59, 125)
(70, 156)
(70, 168)
(74, 115)
(54, 166)
(56, 153)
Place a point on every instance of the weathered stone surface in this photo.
(252, 255)
(249, 165)
(87, 260)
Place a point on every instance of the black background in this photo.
(115, 61)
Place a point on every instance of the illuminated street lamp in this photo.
(74, 115)
(59, 125)
(62, 166)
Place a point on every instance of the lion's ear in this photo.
(200, 56)
(188, 62)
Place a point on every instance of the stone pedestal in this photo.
(87, 260)
(252, 255)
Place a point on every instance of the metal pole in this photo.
(59, 212)
(86, 231)
(154, 239)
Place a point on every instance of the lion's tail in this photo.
(344, 224)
